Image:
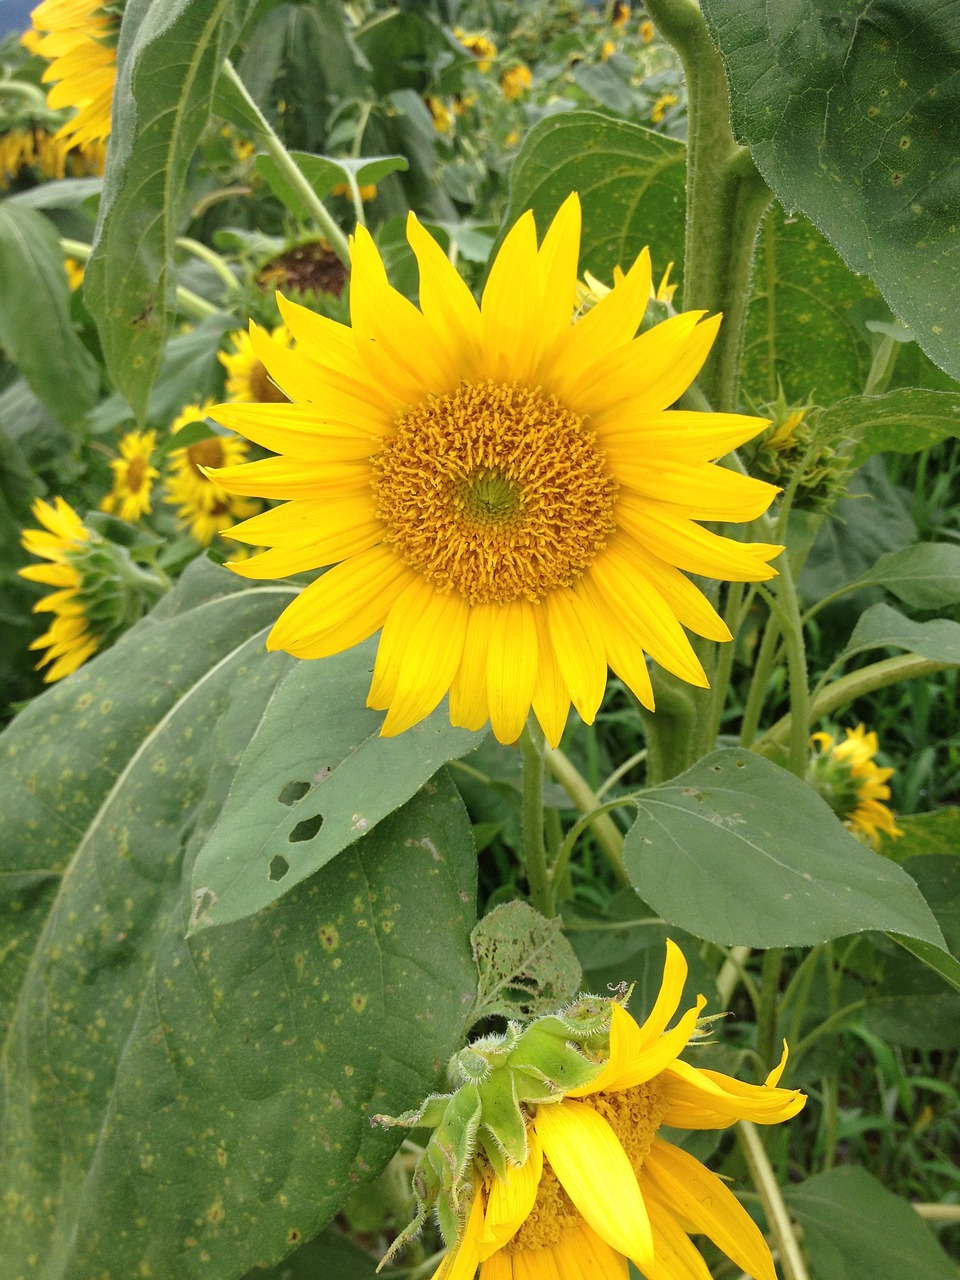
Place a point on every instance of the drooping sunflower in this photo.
(78, 38)
(506, 494)
(847, 776)
(202, 505)
(69, 641)
(247, 378)
(133, 476)
(599, 1186)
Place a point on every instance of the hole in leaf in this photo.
(306, 829)
(279, 867)
(293, 791)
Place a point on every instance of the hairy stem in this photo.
(534, 844)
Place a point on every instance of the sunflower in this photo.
(78, 38)
(203, 506)
(600, 1185)
(515, 82)
(247, 379)
(505, 493)
(69, 642)
(133, 476)
(854, 786)
(482, 48)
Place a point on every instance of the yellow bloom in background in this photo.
(69, 641)
(665, 290)
(133, 476)
(247, 378)
(367, 192)
(78, 39)
(608, 50)
(441, 113)
(599, 1186)
(74, 270)
(483, 50)
(661, 105)
(847, 776)
(515, 82)
(647, 31)
(202, 505)
(47, 155)
(506, 494)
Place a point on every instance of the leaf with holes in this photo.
(525, 966)
(218, 1083)
(739, 851)
(315, 777)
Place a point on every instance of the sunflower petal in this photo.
(429, 661)
(446, 302)
(510, 304)
(667, 532)
(510, 1200)
(551, 698)
(579, 649)
(469, 708)
(511, 669)
(582, 1255)
(699, 1099)
(675, 1258)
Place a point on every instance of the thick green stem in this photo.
(767, 1015)
(765, 1180)
(796, 668)
(670, 730)
(534, 844)
(605, 830)
(758, 683)
(291, 171)
(878, 675)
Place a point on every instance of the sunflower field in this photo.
(480, 586)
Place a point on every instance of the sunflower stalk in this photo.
(765, 1179)
(534, 843)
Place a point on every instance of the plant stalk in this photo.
(767, 1185)
(534, 843)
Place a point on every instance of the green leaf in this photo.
(323, 173)
(802, 331)
(852, 114)
(219, 1084)
(924, 576)
(67, 193)
(525, 965)
(904, 421)
(911, 1006)
(168, 62)
(315, 778)
(331, 1254)
(35, 325)
(739, 851)
(855, 1229)
(630, 180)
(884, 628)
(936, 832)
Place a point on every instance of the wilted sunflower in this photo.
(202, 505)
(508, 495)
(133, 476)
(247, 379)
(78, 38)
(848, 778)
(69, 642)
(600, 1186)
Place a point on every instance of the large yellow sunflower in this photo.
(508, 495)
(69, 641)
(202, 505)
(600, 1186)
(133, 476)
(853, 784)
(78, 38)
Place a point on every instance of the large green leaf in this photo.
(903, 421)
(168, 61)
(630, 180)
(855, 1229)
(924, 576)
(738, 850)
(324, 173)
(884, 628)
(178, 1105)
(35, 325)
(852, 113)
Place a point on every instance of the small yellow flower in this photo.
(78, 39)
(483, 50)
(505, 493)
(515, 82)
(74, 270)
(621, 14)
(442, 115)
(133, 477)
(247, 379)
(608, 50)
(661, 105)
(647, 31)
(853, 785)
(367, 192)
(600, 1185)
(203, 506)
(512, 138)
(69, 642)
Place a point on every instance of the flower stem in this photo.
(211, 258)
(292, 172)
(796, 668)
(534, 845)
(605, 830)
(767, 1185)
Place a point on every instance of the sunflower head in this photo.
(515, 82)
(798, 443)
(203, 507)
(133, 476)
(846, 775)
(99, 587)
(78, 39)
(247, 377)
(547, 1160)
(482, 48)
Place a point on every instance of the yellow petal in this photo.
(683, 1183)
(676, 1258)
(296, 429)
(551, 698)
(469, 708)
(445, 300)
(429, 661)
(51, 575)
(579, 649)
(668, 533)
(625, 654)
(460, 1263)
(510, 306)
(596, 1174)
(682, 434)
(499, 1266)
(701, 490)
(688, 604)
(559, 255)
(510, 1200)
(773, 1078)
(295, 478)
(511, 669)
(582, 1255)
(699, 1099)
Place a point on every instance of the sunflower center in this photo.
(496, 491)
(634, 1115)
(205, 453)
(136, 474)
(261, 387)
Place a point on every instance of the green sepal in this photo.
(542, 1053)
(503, 1117)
